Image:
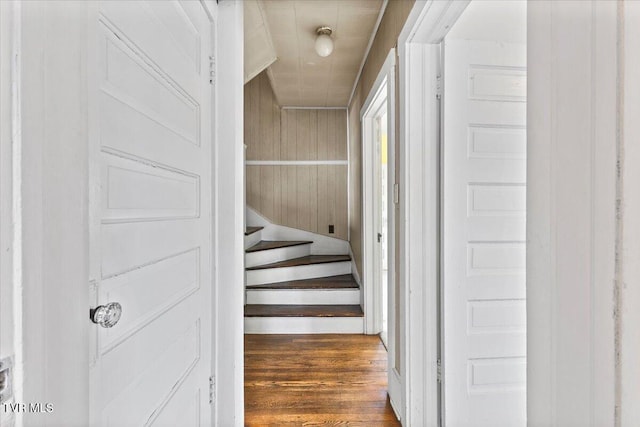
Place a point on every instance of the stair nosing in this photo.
(291, 243)
(360, 314)
(275, 264)
(257, 228)
(295, 285)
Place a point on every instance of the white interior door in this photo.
(150, 206)
(484, 207)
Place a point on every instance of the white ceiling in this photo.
(259, 52)
(299, 76)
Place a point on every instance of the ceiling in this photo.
(299, 76)
(259, 52)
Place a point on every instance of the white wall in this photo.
(628, 272)
(6, 170)
(53, 162)
(571, 219)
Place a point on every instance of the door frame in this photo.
(420, 88)
(386, 80)
(50, 209)
(386, 75)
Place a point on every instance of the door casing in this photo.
(385, 81)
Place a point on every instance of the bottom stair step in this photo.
(303, 319)
(261, 310)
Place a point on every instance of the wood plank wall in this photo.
(308, 197)
(385, 39)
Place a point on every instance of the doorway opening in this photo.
(379, 226)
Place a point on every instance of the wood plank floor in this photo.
(316, 380)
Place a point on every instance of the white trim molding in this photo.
(418, 68)
(229, 217)
(295, 162)
(381, 95)
(293, 107)
(375, 100)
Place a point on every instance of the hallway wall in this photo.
(386, 38)
(305, 196)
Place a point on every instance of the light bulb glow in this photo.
(324, 45)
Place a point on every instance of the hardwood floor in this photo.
(316, 380)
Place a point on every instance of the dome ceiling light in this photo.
(324, 43)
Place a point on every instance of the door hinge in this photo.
(439, 87)
(396, 193)
(212, 386)
(212, 69)
(439, 373)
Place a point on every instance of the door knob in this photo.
(106, 315)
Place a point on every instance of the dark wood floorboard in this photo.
(264, 245)
(316, 380)
(344, 281)
(305, 260)
(264, 310)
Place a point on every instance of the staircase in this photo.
(291, 289)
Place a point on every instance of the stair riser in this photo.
(302, 272)
(304, 296)
(303, 325)
(275, 255)
(252, 239)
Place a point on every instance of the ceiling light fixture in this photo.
(324, 43)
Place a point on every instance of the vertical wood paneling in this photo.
(323, 207)
(265, 148)
(266, 185)
(292, 130)
(302, 135)
(253, 188)
(386, 38)
(288, 184)
(331, 135)
(277, 194)
(341, 200)
(341, 135)
(312, 149)
(306, 197)
(277, 132)
(254, 122)
(322, 151)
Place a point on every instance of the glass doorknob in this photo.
(106, 315)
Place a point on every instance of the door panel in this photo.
(150, 119)
(484, 249)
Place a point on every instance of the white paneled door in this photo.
(150, 120)
(484, 208)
